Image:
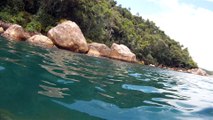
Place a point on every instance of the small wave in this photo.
(2, 68)
(65, 81)
(145, 89)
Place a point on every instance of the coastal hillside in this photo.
(102, 21)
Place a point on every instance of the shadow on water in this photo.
(38, 83)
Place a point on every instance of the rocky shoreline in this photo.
(68, 36)
(196, 71)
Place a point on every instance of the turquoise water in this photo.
(51, 84)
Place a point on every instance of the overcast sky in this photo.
(188, 21)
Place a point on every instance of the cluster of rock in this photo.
(16, 32)
(120, 52)
(69, 36)
(196, 71)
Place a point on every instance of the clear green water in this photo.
(51, 84)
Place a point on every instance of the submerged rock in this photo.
(16, 32)
(68, 35)
(122, 52)
(99, 49)
(41, 40)
(5, 115)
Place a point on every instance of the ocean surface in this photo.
(51, 84)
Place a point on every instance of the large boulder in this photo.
(102, 49)
(198, 71)
(68, 35)
(41, 40)
(16, 32)
(201, 72)
(122, 52)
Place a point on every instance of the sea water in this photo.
(52, 84)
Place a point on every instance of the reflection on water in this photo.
(37, 84)
(145, 89)
(109, 111)
(53, 91)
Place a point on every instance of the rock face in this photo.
(16, 32)
(93, 52)
(41, 40)
(5, 25)
(122, 52)
(68, 35)
(99, 49)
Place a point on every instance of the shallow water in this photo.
(51, 84)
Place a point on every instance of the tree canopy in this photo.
(101, 21)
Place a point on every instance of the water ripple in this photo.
(79, 85)
(145, 89)
(53, 91)
(2, 68)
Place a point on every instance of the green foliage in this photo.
(48, 28)
(45, 20)
(101, 21)
(19, 17)
(17, 5)
(150, 59)
(34, 26)
(6, 16)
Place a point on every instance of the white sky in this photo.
(186, 22)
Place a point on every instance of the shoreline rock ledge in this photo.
(122, 52)
(41, 40)
(16, 32)
(98, 49)
(68, 35)
(198, 71)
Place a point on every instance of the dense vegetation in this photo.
(101, 21)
